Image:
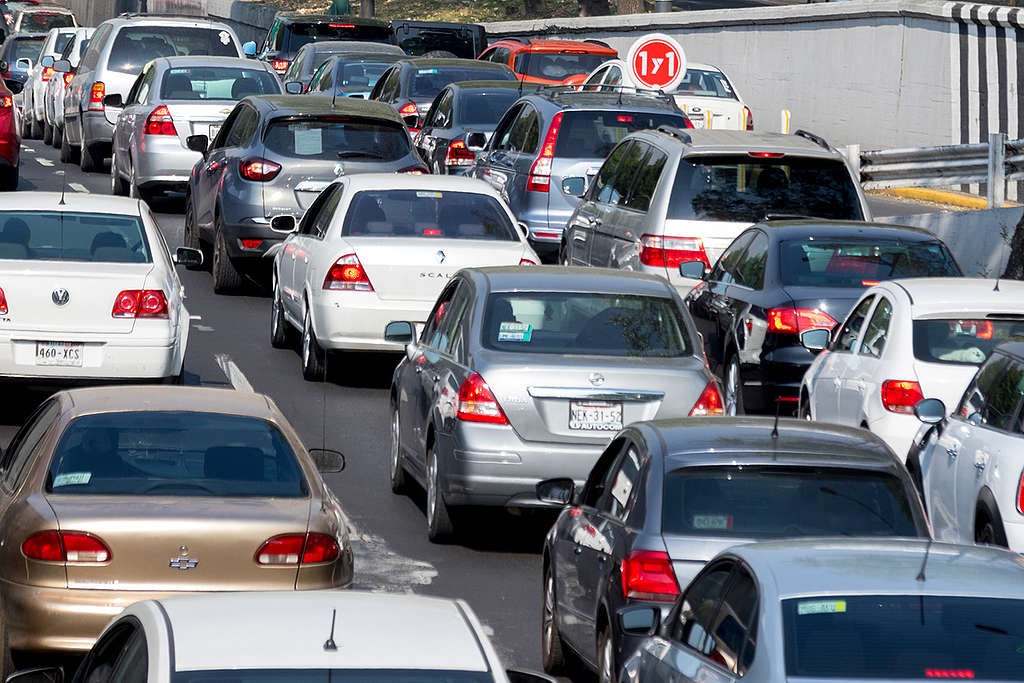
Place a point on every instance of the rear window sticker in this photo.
(225, 37)
(722, 522)
(820, 607)
(71, 478)
(515, 332)
(429, 195)
(308, 141)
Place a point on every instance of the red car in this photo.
(10, 133)
(539, 60)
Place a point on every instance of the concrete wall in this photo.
(980, 240)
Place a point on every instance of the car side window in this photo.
(306, 225)
(750, 271)
(733, 634)
(1004, 400)
(243, 128)
(442, 114)
(632, 162)
(614, 76)
(68, 49)
(647, 181)
(981, 386)
(602, 190)
(133, 663)
(99, 665)
(92, 53)
(850, 331)
(25, 441)
(452, 324)
(601, 474)
(725, 268)
(319, 225)
(621, 494)
(146, 86)
(133, 94)
(699, 607)
(432, 330)
(226, 129)
(321, 78)
(504, 128)
(525, 132)
(877, 331)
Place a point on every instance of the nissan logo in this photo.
(60, 296)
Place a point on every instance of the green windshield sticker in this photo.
(426, 71)
(515, 332)
(71, 478)
(820, 607)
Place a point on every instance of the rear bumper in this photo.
(112, 357)
(163, 161)
(897, 431)
(777, 377)
(96, 130)
(234, 233)
(355, 321)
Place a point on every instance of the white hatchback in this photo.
(88, 290)
(904, 340)
(375, 248)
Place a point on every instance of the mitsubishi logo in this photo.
(440, 256)
(596, 378)
(60, 296)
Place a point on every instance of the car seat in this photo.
(500, 311)
(179, 87)
(244, 87)
(110, 246)
(233, 463)
(607, 331)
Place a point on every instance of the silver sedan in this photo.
(173, 98)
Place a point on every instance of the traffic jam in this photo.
(656, 398)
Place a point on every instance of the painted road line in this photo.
(78, 187)
(234, 374)
(44, 162)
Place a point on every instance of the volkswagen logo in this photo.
(597, 379)
(440, 256)
(60, 296)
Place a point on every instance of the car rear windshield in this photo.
(745, 501)
(216, 83)
(748, 189)
(904, 637)
(558, 66)
(593, 134)
(362, 74)
(331, 676)
(157, 453)
(428, 213)
(338, 137)
(582, 324)
(24, 48)
(704, 83)
(41, 22)
(485, 107)
(832, 262)
(134, 46)
(426, 82)
(963, 341)
(69, 236)
(419, 41)
(293, 36)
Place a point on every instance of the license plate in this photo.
(213, 132)
(596, 416)
(59, 353)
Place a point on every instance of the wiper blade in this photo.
(352, 154)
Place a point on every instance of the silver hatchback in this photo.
(525, 374)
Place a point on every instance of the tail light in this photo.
(748, 117)
(140, 303)
(900, 396)
(477, 404)
(1020, 494)
(47, 73)
(540, 173)
(66, 546)
(648, 575)
(669, 252)
(3, 303)
(687, 123)
(251, 244)
(279, 64)
(709, 402)
(458, 155)
(295, 549)
(6, 102)
(347, 274)
(259, 170)
(796, 320)
(526, 262)
(415, 170)
(68, 77)
(96, 96)
(409, 110)
(160, 122)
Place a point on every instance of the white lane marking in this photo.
(78, 187)
(233, 373)
(202, 328)
(44, 162)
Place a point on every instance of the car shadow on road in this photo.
(362, 370)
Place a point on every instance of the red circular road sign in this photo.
(657, 61)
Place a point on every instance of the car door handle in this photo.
(601, 559)
(418, 369)
(577, 550)
(979, 465)
(837, 383)
(951, 451)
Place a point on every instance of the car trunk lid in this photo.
(725, 114)
(198, 118)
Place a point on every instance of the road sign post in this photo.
(657, 61)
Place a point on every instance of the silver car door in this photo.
(691, 634)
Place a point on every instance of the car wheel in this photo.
(47, 133)
(58, 136)
(563, 254)
(117, 184)
(987, 532)
(439, 519)
(805, 408)
(552, 652)
(89, 159)
(395, 469)
(606, 656)
(34, 129)
(68, 154)
(313, 356)
(226, 277)
(136, 192)
(279, 329)
(733, 387)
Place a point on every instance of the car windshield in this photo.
(775, 501)
(216, 83)
(963, 341)
(594, 134)
(338, 138)
(832, 262)
(485, 107)
(904, 637)
(62, 41)
(558, 66)
(174, 453)
(362, 74)
(705, 83)
(748, 189)
(426, 82)
(428, 213)
(585, 324)
(331, 676)
(134, 46)
(24, 48)
(69, 236)
(293, 36)
(43, 21)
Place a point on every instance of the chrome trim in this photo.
(633, 395)
(312, 185)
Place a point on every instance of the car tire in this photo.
(118, 188)
(552, 650)
(6, 659)
(89, 160)
(733, 387)
(47, 134)
(34, 131)
(226, 277)
(58, 136)
(313, 356)
(440, 526)
(606, 669)
(68, 154)
(191, 236)
(399, 479)
(280, 331)
(563, 254)
(805, 408)
(136, 192)
(989, 532)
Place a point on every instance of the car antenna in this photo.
(775, 427)
(924, 562)
(63, 184)
(329, 644)
(996, 288)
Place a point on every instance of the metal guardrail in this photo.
(993, 163)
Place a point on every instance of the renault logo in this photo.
(60, 296)
(440, 256)
(597, 379)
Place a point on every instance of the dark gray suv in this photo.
(559, 133)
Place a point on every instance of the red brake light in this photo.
(6, 102)
(409, 110)
(796, 320)
(767, 155)
(3, 303)
(160, 122)
(749, 118)
(540, 173)
(900, 396)
(96, 96)
(709, 403)
(648, 575)
(65, 546)
(140, 303)
(669, 252)
(279, 64)
(414, 170)
(948, 673)
(342, 25)
(251, 244)
(47, 73)
(68, 77)
(477, 404)
(458, 155)
(982, 329)
(347, 274)
(624, 119)
(259, 170)
(294, 549)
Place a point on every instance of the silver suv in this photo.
(667, 196)
(114, 58)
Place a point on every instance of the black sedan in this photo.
(461, 109)
(350, 74)
(780, 279)
(666, 496)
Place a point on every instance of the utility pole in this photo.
(366, 9)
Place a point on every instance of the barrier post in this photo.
(784, 122)
(995, 195)
(853, 159)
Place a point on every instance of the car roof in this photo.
(689, 65)
(213, 60)
(45, 8)
(555, 45)
(290, 105)
(403, 181)
(817, 228)
(295, 17)
(704, 142)
(168, 20)
(73, 201)
(884, 566)
(288, 629)
(352, 46)
(570, 279)
(421, 62)
(568, 97)
(25, 35)
(937, 297)
(493, 85)
(119, 399)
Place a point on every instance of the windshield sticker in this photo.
(426, 71)
(72, 478)
(820, 607)
(429, 195)
(712, 522)
(515, 332)
(308, 141)
(225, 38)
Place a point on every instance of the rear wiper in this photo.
(833, 492)
(351, 154)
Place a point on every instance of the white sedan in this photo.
(375, 248)
(902, 341)
(88, 290)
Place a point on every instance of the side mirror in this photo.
(14, 86)
(411, 121)
(556, 491)
(197, 143)
(293, 87)
(61, 65)
(51, 674)
(249, 48)
(46, 61)
(399, 332)
(695, 270)
(326, 460)
(475, 142)
(640, 620)
(24, 64)
(930, 411)
(574, 187)
(524, 230)
(283, 223)
(113, 100)
(815, 340)
(188, 257)
(522, 676)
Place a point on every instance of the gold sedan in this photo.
(113, 495)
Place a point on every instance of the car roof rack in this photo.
(816, 139)
(552, 92)
(598, 42)
(167, 15)
(677, 133)
(524, 41)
